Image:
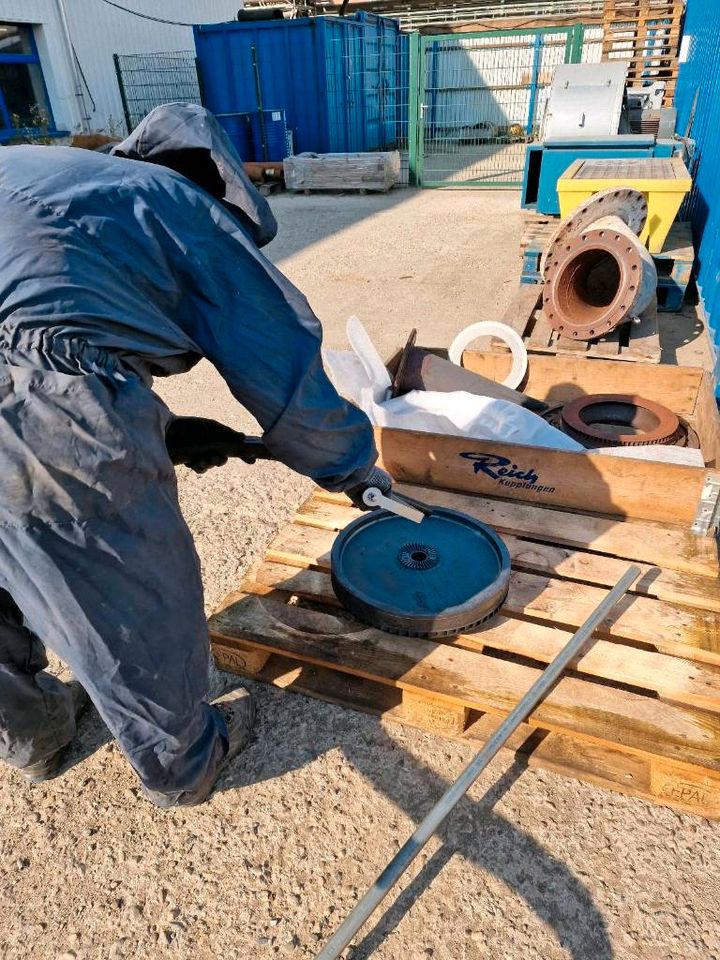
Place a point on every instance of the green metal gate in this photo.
(479, 98)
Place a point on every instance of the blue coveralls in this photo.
(112, 270)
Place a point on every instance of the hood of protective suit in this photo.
(187, 138)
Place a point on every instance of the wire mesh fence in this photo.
(460, 108)
(368, 95)
(148, 79)
(485, 99)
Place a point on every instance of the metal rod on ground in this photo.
(537, 692)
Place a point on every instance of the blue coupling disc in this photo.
(437, 578)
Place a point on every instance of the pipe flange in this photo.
(600, 419)
(623, 202)
(396, 385)
(592, 282)
(493, 328)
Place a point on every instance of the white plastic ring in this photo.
(491, 328)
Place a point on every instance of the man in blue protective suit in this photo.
(115, 269)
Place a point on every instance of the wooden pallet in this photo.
(535, 237)
(639, 713)
(631, 342)
(674, 264)
(647, 34)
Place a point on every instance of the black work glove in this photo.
(376, 478)
(200, 443)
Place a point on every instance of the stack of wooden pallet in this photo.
(640, 713)
(640, 710)
(646, 33)
(634, 342)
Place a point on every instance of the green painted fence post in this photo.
(575, 40)
(415, 94)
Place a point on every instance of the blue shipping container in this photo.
(273, 130)
(237, 127)
(336, 78)
(699, 85)
(255, 139)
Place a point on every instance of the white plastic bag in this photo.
(456, 414)
(362, 378)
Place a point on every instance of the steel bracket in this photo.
(707, 515)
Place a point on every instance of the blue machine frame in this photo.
(546, 162)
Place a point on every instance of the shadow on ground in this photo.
(474, 831)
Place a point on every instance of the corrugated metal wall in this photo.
(108, 31)
(98, 31)
(699, 78)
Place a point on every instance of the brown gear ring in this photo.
(652, 423)
(568, 301)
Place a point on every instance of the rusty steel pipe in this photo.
(420, 369)
(597, 279)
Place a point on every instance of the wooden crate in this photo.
(342, 171)
(638, 713)
(647, 34)
(674, 264)
(592, 483)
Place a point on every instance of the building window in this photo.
(24, 105)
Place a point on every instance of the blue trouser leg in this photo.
(96, 554)
(36, 712)
(126, 614)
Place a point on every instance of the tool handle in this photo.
(191, 438)
(394, 503)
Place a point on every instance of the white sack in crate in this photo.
(364, 350)
(457, 414)
(362, 378)
(684, 456)
(461, 414)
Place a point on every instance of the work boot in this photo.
(50, 767)
(238, 710)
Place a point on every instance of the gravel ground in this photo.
(532, 867)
